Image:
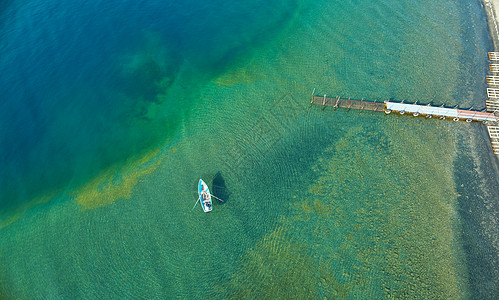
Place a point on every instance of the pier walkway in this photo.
(347, 103)
(492, 102)
(413, 109)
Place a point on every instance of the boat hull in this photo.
(205, 196)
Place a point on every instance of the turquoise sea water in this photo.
(112, 111)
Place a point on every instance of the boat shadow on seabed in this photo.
(219, 189)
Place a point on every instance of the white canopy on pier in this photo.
(440, 111)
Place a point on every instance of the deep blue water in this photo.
(79, 77)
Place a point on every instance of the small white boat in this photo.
(204, 196)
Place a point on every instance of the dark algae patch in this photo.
(392, 236)
(478, 205)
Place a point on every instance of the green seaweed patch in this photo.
(242, 75)
(281, 267)
(275, 268)
(116, 182)
(386, 223)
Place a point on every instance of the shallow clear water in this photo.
(115, 110)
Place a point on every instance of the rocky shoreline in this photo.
(492, 9)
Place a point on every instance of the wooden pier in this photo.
(492, 80)
(493, 55)
(494, 138)
(494, 68)
(412, 109)
(347, 103)
(492, 101)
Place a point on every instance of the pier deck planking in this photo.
(348, 103)
(402, 108)
(494, 68)
(493, 55)
(492, 80)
